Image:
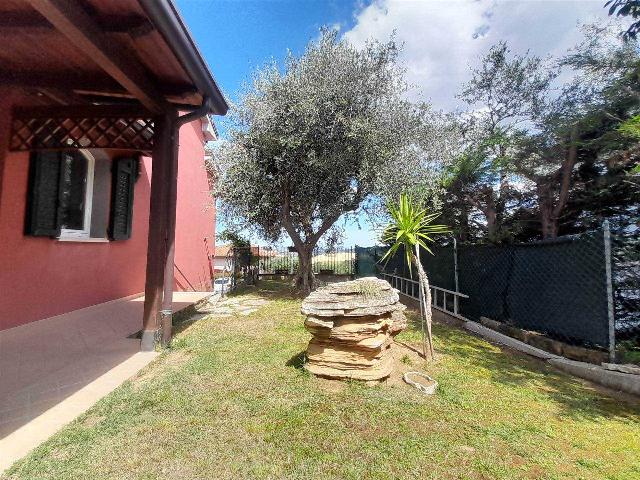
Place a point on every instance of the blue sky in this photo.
(237, 36)
(442, 39)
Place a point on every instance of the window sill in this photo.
(83, 240)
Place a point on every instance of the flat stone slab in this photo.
(508, 341)
(361, 285)
(255, 303)
(235, 306)
(230, 301)
(624, 368)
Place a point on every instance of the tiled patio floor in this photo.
(54, 369)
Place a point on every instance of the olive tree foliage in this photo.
(316, 139)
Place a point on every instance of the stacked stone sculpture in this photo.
(353, 324)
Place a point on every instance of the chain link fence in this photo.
(582, 290)
(625, 255)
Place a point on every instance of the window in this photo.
(76, 194)
(80, 196)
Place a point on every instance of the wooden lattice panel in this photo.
(63, 129)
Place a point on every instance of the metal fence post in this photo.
(455, 263)
(609, 279)
(455, 274)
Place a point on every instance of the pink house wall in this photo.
(42, 277)
(195, 217)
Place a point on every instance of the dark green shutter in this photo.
(43, 218)
(124, 179)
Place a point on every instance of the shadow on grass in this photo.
(271, 289)
(414, 349)
(578, 399)
(297, 361)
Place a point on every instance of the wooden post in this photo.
(162, 227)
(157, 239)
(172, 200)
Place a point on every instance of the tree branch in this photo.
(285, 216)
(566, 171)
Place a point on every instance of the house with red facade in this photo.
(106, 221)
(104, 194)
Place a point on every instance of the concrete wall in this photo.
(42, 277)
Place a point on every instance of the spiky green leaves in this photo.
(410, 225)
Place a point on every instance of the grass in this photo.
(230, 400)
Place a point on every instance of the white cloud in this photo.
(442, 39)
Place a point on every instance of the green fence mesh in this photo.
(559, 288)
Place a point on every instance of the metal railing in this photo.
(411, 288)
(284, 261)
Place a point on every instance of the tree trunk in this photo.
(549, 208)
(501, 203)
(305, 279)
(464, 223)
(490, 211)
(566, 171)
(492, 223)
(425, 298)
(548, 224)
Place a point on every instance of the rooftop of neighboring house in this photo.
(222, 251)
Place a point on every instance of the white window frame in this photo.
(85, 233)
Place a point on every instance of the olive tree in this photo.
(314, 139)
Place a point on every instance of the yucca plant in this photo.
(412, 227)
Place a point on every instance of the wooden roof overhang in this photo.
(99, 71)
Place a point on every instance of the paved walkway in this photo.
(53, 370)
(228, 306)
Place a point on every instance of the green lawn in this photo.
(229, 400)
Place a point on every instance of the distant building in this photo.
(223, 258)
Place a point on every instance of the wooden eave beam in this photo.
(89, 85)
(107, 111)
(135, 25)
(67, 80)
(68, 17)
(63, 97)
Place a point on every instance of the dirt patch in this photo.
(60, 454)
(406, 358)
